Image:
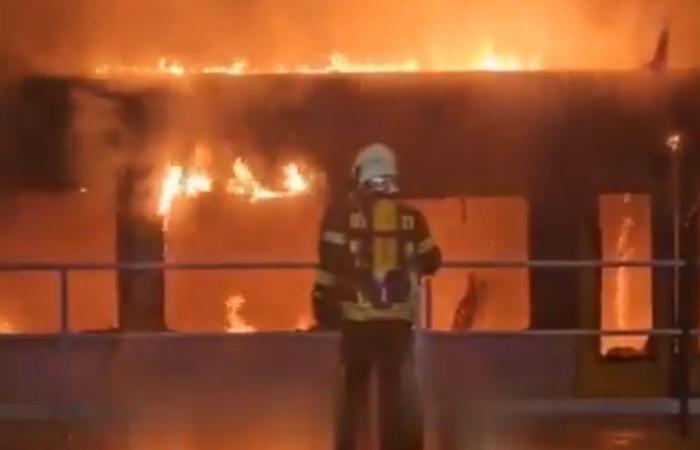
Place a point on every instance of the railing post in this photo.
(65, 374)
(428, 304)
(63, 293)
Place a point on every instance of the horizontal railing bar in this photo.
(300, 265)
(473, 333)
(564, 332)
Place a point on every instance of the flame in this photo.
(294, 181)
(169, 189)
(179, 182)
(239, 67)
(489, 60)
(624, 252)
(234, 322)
(622, 300)
(340, 63)
(245, 184)
(486, 59)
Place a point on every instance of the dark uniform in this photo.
(372, 253)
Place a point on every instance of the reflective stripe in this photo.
(358, 312)
(324, 278)
(334, 237)
(426, 245)
(361, 310)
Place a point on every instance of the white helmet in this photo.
(376, 163)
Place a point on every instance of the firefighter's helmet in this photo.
(375, 169)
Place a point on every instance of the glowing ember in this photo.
(234, 322)
(486, 60)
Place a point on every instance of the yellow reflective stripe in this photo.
(358, 312)
(324, 278)
(334, 237)
(426, 245)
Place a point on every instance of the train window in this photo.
(493, 228)
(626, 297)
(228, 228)
(36, 228)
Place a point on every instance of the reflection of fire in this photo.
(6, 327)
(621, 300)
(304, 323)
(627, 299)
(485, 60)
(234, 322)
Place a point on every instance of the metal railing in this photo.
(64, 270)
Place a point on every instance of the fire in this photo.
(294, 181)
(245, 184)
(622, 301)
(169, 189)
(489, 60)
(190, 183)
(625, 252)
(234, 322)
(340, 63)
(180, 182)
(485, 60)
(235, 68)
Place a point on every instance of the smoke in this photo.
(76, 35)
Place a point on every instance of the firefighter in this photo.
(373, 251)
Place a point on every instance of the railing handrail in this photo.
(305, 265)
(564, 332)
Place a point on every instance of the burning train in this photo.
(226, 163)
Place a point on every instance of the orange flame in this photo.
(180, 182)
(489, 60)
(485, 60)
(622, 299)
(294, 181)
(245, 184)
(234, 322)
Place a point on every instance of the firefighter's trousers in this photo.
(385, 348)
